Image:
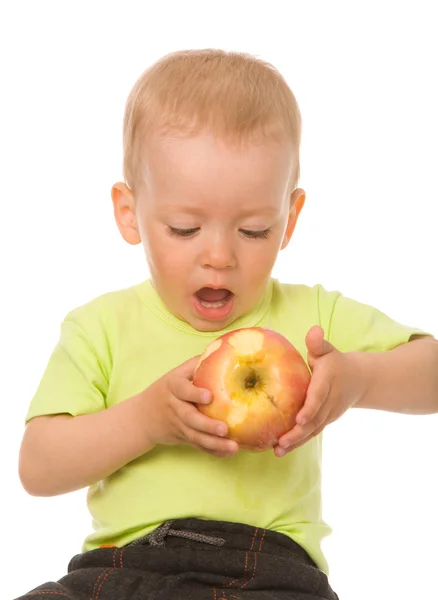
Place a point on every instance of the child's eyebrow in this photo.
(200, 211)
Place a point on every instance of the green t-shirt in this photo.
(120, 343)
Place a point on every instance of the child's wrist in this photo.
(141, 423)
(364, 369)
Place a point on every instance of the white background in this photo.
(365, 77)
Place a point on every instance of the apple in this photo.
(258, 381)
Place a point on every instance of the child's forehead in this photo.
(216, 202)
(181, 144)
(208, 207)
(195, 162)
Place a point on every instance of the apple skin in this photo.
(258, 381)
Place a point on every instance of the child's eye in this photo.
(181, 232)
(174, 231)
(264, 234)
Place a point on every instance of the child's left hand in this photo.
(337, 383)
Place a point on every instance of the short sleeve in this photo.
(352, 326)
(75, 380)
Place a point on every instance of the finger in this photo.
(301, 432)
(317, 345)
(293, 437)
(187, 368)
(278, 451)
(314, 434)
(194, 419)
(183, 389)
(211, 443)
(217, 453)
(317, 395)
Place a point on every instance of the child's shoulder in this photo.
(300, 292)
(103, 309)
(330, 304)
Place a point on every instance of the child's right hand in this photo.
(164, 413)
(172, 416)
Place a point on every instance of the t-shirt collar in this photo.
(153, 301)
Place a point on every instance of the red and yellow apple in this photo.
(258, 381)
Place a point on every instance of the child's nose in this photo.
(219, 253)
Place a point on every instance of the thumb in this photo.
(187, 369)
(317, 346)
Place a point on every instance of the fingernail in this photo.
(205, 396)
(302, 421)
(285, 445)
(221, 430)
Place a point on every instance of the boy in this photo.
(211, 165)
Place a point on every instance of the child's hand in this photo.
(336, 385)
(172, 416)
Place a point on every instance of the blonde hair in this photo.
(233, 95)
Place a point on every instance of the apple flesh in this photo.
(258, 381)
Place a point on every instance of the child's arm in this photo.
(403, 380)
(61, 453)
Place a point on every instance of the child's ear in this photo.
(124, 213)
(297, 200)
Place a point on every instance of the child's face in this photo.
(210, 215)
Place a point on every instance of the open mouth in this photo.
(211, 298)
(213, 304)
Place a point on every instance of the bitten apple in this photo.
(258, 382)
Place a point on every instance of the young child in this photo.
(211, 166)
